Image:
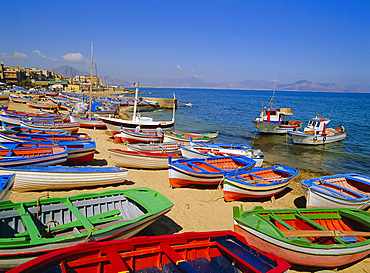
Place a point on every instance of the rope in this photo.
(50, 222)
(218, 188)
(90, 231)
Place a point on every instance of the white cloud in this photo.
(74, 57)
(179, 67)
(20, 55)
(39, 53)
(6, 55)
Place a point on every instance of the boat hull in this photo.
(132, 137)
(88, 123)
(61, 177)
(307, 139)
(140, 160)
(114, 125)
(6, 183)
(275, 128)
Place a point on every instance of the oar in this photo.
(324, 233)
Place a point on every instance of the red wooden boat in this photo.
(218, 251)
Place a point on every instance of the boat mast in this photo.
(273, 93)
(91, 79)
(135, 103)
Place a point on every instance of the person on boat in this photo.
(159, 131)
(138, 129)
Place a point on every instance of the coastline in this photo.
(195, 209)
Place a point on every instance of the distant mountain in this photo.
(68, 71)
(197, 82)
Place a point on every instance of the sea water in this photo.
(231, 113)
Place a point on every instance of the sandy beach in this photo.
(194, 209)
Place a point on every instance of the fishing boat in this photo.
(30, 229)
(217, 251)
(114, 125)
(16, 120)
(130, 136)
(276, 120)
(88, 122)
(34, 178)
(329, 237)
(338, 191)
(35, 115)
(24, 137)
(78, 152)
(258, 182)
(17, 129)
(41, 104)
(141, 160)
(41, 156)
(204, 150)
(64, 126)
(316, 133)
(6, 185)
(173, 148)
(209, 172)
(170, 136)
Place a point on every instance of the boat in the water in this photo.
(6, 185)
(316, 133)
(338, 191)
(130, 136)
(34, 178)
(39, 156)
(173, 148)
(208, 171)
(215, 251)
(204, 150)
(64, 126)
(258, 182)
(30, 229)
(141, 160)
(88, 122)
(170, 136)
(276, 120)
(321, 237)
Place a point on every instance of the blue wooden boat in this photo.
(6, 185)
(258, 182)
(40, 156)
(35, 178)
(20, 137)
(208, 171)
(338, 191)
(77, 151)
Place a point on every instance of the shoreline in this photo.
(195, 209)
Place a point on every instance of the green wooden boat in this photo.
(29, 229)
(322, 237)
(170, 136)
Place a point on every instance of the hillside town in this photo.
(11, 76)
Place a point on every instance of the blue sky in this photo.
(319, 41)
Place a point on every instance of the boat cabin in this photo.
(316, 126)
(276, 115)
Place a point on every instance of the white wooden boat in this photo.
(140, 160)
(173, 148)
(6, 185)
(114, 125)
(338, 191)
(33, 178)
(173, 137)
(88, 122)
(129, 135)
(317, 133)
(204, 150)
(258, 182)
(64, 126)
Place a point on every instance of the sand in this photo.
(194, 209)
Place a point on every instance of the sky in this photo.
(218, 41)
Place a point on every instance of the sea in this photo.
(231, 113)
